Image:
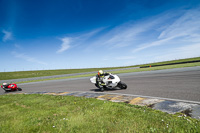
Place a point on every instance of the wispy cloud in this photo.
(28, 58)
(171, 28)
(68, 42)
(152, 44)
(88, 35)
(174, 31)
(65, 44)
(132, 33)
(184, 29)
(186, 25)
(7, 35)
(120, 36)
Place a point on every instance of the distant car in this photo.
(10, 87)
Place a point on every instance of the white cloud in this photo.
(27, 58)
(186, 25)
(76, 40)
(86, 36)
(122, 36)
(65, 44)
(132, 33)
(7, 35)
(185, 30)
(152, 44)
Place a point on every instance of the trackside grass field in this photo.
(173, 61)
(53, 114)
(30, 74)
(122, 71)
(159, 68)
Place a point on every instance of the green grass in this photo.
(30, 74)
(122, 71)
(159, 68)
(53, 114)
(173, 61)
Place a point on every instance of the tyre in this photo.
(104, 87)
(19, 89)
(122, 85)
(102, 90)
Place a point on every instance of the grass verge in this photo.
(31, 74)
(122, 71)
(160, 68)
(45, 113)
(172, 61)
(41, 73)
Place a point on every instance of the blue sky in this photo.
(64, 34)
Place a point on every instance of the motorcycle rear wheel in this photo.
(122, 85)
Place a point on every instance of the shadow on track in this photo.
(98, 90)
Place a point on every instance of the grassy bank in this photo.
(122, 71)
(45, 113)
(30, 74)
(159, 68)
(171, 62)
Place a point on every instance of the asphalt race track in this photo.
(182, 84)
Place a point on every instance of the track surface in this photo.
(183, 84)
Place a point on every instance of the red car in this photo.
(10, 87)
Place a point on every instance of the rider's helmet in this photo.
(100, 73)
(5, 84)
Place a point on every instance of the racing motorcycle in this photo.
(10, 87)
(111, 81)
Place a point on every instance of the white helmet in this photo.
(5, 84)
(100, 72)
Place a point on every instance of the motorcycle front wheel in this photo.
(19, 89)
